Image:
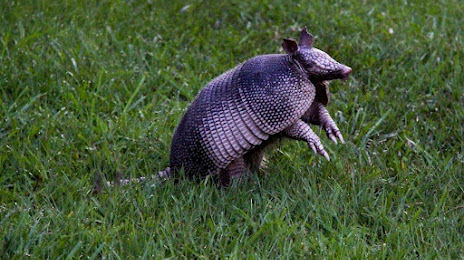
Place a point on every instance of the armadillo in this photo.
(234, 117)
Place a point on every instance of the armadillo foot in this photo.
(321, 116)
(301, 131)
(164, 175)
(315, 144)
(332, 130)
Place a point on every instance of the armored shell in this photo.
(239, 110)
(235, 116)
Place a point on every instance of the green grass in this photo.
(97, 87)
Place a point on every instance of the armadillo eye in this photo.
(309, 64)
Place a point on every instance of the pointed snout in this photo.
(345, 72)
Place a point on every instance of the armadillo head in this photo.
(317, 64)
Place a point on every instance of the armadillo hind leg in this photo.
(235, 170)
(317, 114)
(254, 157)
(301, 131)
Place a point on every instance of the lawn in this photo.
(97, 88)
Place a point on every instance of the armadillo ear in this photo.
(306, 39)
(290, 46)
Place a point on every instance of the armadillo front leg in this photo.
(317, 114)
(301, 131)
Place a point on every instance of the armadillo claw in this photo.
(332, 137)
(331, 128)
(321, 151)
(313, 147)
(318, 148)
(324, 153)
(330, 134)
(333, 133)
(339, 135)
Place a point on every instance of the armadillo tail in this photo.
(160, 177)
